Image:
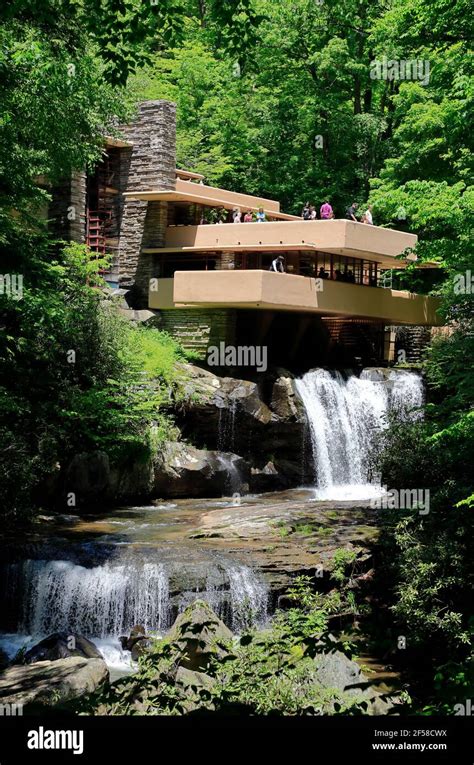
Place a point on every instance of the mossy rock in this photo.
(201, 635)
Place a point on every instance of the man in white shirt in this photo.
(278, 264)
(368, 215)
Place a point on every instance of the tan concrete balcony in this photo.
(210, 196)
(267, 290)
(342, 237)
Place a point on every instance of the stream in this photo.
(101, 574)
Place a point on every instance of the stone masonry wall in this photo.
(197, 329)
(413, 341)
(226, 261)
(67, 209)
(149, 164)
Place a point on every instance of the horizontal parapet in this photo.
(266, 290)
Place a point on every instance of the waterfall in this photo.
(226, 427)
(248, 597)
(233, 476)
(105, 600)
(108, 600)
(406, 395)
(345, 416)
(236, 593)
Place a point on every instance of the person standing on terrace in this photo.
(236, 215)
(368, 215)
(278, 265)
(248, 217)
(351, 212)
(326, 211)
(305, 212)
(261, 217)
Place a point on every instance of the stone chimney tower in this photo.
(150, 163)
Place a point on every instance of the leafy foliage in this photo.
(74, 376)
(265, 672)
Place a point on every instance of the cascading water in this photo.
(248, 597)
(226, 427)
(406, 394)
(345, 416)
(234, 479)
(106, 601)
(101, 601)
(235, 593)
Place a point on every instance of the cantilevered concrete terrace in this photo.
(210, 196)
(342, 237)
(222, 264)
(287, 292)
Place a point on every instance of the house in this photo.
(210, 282)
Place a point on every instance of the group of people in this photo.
(327, 213)
(308, 213)
(260, 216)
(236, 216)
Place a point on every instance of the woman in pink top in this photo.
(326, 211)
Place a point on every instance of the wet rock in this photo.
(266, 479)
(208, 393)
(201, 634)
(51, 683)
(92, 480)
(61, 645)
(138, 642)
(286, 401)
(262, 422)
(181, 470)
(131, 481)
(222, 412)
(285, 538)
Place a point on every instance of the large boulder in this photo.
(51, 683)
(91, 479)
(262, 421)
(286, 402)
(193, 687)
(182, 470)
(61, 645)
(222, 412)
(200, 634)
(138, 642)
(267, 479)
(337, 672)
(132, 480)
(204, 391)
(87, 476)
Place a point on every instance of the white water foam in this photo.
(345, 417)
